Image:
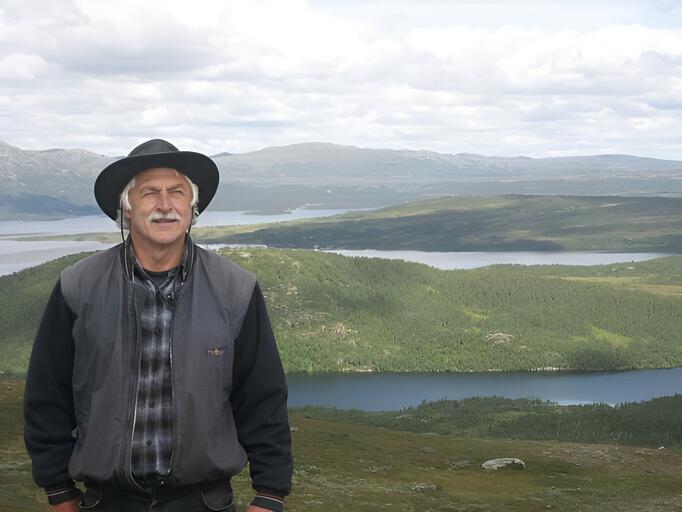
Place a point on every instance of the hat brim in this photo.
(197, 167)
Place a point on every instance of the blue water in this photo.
(103, 224)
(467, 260)
(17, 254)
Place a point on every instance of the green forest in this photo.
(333, 313)
(500, 223)
(652, 423)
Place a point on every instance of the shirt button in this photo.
(157, 330)
(149, 442)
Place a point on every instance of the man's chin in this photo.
(167, 237)
(169, 240)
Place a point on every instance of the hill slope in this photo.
(340, 466)
(333, 313)
(652, 423)
(502, 223)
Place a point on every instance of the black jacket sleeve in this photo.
(259, 402)
(48, 402)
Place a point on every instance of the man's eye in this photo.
(178, 192)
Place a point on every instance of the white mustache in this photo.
(164, 216)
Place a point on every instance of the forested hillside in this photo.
(335, 313)
(652, 423)
(501, 223)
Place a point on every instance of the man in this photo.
(155, 375)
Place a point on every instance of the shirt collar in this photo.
(182, 269)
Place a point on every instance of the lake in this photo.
(17, 254)
(103, 224)
(467, 260)
(393, 391)
(385, 391)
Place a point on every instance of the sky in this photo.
(538, 78)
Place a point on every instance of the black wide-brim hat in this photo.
(156, 153)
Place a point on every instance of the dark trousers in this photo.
(216, 496)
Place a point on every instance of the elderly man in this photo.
(155, 375)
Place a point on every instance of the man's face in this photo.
(160, 207)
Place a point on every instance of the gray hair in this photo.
(124, 202)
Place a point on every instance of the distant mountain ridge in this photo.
(65, 174)
(331, 175)
(381, 163)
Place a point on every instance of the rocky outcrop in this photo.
(504, 463)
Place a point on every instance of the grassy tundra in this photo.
(342, 465)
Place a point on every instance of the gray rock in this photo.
(506, 462)
(424, 488)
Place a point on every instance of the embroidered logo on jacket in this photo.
(216, 351)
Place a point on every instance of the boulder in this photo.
(507, 462)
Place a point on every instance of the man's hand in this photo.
(67, 506)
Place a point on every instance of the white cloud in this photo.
(20, 66)
(236, 76)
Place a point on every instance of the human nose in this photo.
(164, 202)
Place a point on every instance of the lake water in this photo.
(393, 391)
(103, 224)
(17, 254)
(467, 260)
(386, 391)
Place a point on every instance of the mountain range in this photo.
(60, 181)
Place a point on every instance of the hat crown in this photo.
(153, 146)
(151, 154)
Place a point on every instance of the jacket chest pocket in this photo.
(218, 361)
(203, 347)
(204, 359)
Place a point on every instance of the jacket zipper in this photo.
(126, 464)
(176, 308)
(183, 277)
(175, 415)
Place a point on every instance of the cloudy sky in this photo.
(535, 77)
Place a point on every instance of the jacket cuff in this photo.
(268, 501)
(57, 494)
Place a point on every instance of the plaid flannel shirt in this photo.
(152, 441)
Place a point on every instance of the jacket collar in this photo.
(130, 260)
